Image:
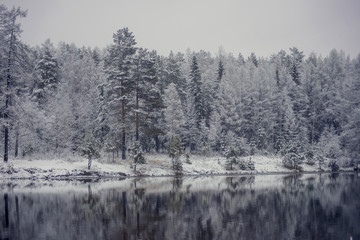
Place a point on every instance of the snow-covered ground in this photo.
(157, 165)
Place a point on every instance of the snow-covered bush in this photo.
(333, 165)
(205, 149)
(112, 143)
(90, 148)
(137, 153)
(251, 164)
(175, 151)
(319, 158)
(187, 158)
(329, 147)
(309, 155)
(231, 158)
(28, 150)
(329, 144)
(292, 155)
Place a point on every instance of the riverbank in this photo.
(156, 165)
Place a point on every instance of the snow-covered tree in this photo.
(119, 66)
(175, 151)
(252, 58)
(137, 153)
(48, 70)
(174, 74)
(174, 115)
(296, 58)
(90, 148)
(195, 97)
(195, 106)
(351, 132)
(12, 54)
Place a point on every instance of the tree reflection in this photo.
(315, 207)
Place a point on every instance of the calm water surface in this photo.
(242, 207)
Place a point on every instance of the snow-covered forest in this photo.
(124, 100)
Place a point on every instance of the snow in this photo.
(156, 165)
(151, 184)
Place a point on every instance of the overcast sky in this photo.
(261, 26)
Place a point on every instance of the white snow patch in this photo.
(156, 165)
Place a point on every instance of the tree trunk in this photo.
(89, 163)
(123, 154)
(137, 113)
(7, 98)
(157, 142)
(6, 116)
(6, 143)
(17, 140)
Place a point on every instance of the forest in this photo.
(125, 100)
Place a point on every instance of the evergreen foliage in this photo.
(137, 153)
(90, 148)
(305, 108)
(175, 150)
(48, 70)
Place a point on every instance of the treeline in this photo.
(125, 99)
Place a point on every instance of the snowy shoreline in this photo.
(156, 166)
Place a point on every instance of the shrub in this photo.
(292, 156)
(175, 151)
(28, 150)
(333, 165)
(137, 153)
(90, 148)
(251, 164)
(231, 158)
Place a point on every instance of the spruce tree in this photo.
(195, 113)
(296, 58)
(253, 59)
(174, 115)
(48, 70)
(220, 71)
(195, 93)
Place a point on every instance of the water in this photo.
(240, 207)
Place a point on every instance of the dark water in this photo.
(253, 207)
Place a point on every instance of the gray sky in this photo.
(261, 26)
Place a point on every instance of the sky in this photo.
(261, 26)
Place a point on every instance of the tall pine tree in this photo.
(119, 66)
(12, 55)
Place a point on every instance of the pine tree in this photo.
(175, 151)
(220, 71)
(174, 116)
(351, 134)
(142, 73)
(119, 65)
(195, 93)
(137, 153)
(12, 55)
(241, 59)
(195, 106)
(48, 69)
(174, 74)
(253, 59)
(296, 58)
(90, 148)
(148, 98)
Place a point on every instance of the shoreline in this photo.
(156, 166)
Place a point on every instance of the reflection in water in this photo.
(253, 207)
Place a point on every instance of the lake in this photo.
(310, 206)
